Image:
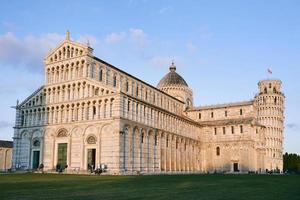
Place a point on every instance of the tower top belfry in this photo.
(172, 67)
(68, 35)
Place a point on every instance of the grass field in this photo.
(53, 186)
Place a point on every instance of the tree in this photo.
(291, 163)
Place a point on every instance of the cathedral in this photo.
(91, 113)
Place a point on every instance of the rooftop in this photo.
(225, 105)
(6, 144)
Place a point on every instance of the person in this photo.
(58, 167)
(41, 167)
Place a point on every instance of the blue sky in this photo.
(221, 48)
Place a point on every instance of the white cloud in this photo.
(134, 35)
(6, 124)
(28, 51)
(84, 39)
(164, 61)
(139, 37)
(294, 126)
(192, 48)
(113, 38)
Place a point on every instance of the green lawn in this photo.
(53, 186)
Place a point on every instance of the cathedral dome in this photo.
(172, 79)
(174, 85)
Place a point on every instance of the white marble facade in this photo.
(89, 113)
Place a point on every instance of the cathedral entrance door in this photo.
(236, 167)
(91, 158)
(62, 155)
(36, 159)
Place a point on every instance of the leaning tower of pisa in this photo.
(270, 112)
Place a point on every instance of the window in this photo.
(94, 110)
(93, 71)
(274, 90)
(199, 115)
(137, 90)
(215, 131)
(97, 92)
(155, 140)
(107, 77)
(241, 111)
(127, 86)
(100, 74)
(226, 113)
(275, 100)
(232, 129)
(146, 96)
(115, 81)
(265, 90)
(142, 138)
(128, 106)
(224, 130)
(270, 85)
(218, 151)
(212, 114)
(241, 129)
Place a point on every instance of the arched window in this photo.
(128, 106)
(270, 85)
(212, 114)
(241, 129)
(94, 110)
(274, 90)
(107, 77)
(167, 142)
(188, 102)
(275, 100)
(93, 71)
(218, 151)
(100, 74)
(265, 90)
(142, 138)
(115, 81)
(199, 115)
(127, 86)
(241, 111)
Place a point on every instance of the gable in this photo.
(66, 50)
(36, 98)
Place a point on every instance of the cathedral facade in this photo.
(91, 113)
